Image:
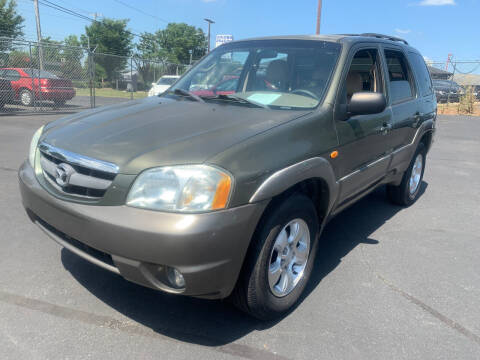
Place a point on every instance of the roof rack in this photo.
(381, 36)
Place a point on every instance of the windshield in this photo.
(279, 74)
(166, 81)
(40, 73)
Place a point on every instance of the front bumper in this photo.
(208, 249)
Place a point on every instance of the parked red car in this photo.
(31, 85)
(227, 86)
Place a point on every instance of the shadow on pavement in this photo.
(215, 323)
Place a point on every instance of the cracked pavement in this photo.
(388, 282)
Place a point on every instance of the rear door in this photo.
(427, 104)
(404, 100)
(363, 157)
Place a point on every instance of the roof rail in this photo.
(381, 36)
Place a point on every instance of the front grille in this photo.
(75, 175)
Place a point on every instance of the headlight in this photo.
(185, 188)
(441, 92)
(33, 146)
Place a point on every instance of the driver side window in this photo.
(364, 74)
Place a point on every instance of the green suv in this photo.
(221, 186)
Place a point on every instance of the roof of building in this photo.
(436, 71)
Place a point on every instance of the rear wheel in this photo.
(59, 103)
(280, 259)
(407, 192)
(26, 97)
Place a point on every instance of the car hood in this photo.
(160, 131)
(160, 88)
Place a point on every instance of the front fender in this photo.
(281, 180)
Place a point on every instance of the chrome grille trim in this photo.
(76, 159)
(75, 175)
(76, 179)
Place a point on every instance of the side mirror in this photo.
(366, 102)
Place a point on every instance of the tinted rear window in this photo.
(421, 73)
(40, 73)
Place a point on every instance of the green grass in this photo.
(107, 92)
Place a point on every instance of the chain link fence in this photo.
(457, 86)
(43, 77)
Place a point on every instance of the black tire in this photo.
(253, 293)
(2, 105)
(59, 103)
(400, 194)
(26, 97)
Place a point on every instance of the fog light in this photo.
(175, 278)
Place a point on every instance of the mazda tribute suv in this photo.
(224, 194)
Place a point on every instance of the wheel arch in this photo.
(313, 177)
(427, 139)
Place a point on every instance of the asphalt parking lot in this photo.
(78, 103)
(389, 283)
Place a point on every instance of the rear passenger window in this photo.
(421, 73)
(401, 79)
(11, 75)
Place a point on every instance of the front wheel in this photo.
(407, 192)
(280, 259)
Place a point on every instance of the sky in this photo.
(435, 27)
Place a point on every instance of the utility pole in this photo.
(39, 34)
(449, 60)
(209, 23)
(319, 15)
(95, 15)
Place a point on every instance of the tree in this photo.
(72, 55)
(11, 24)
(51, 53)
(168, 47)
(173, 44)
(17, 58)
(109, 36)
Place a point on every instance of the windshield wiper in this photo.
(237, 99)
(186, 93)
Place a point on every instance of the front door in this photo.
(363, 154)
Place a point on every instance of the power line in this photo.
(65, 10)
(76, 8)
(140, 11)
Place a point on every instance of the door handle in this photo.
(416, 119)
(385, 129)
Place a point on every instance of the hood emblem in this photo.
(63, 172)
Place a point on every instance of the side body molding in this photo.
(283, 179)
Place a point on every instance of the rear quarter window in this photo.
(421, 73)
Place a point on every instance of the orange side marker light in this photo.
(334, 154)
